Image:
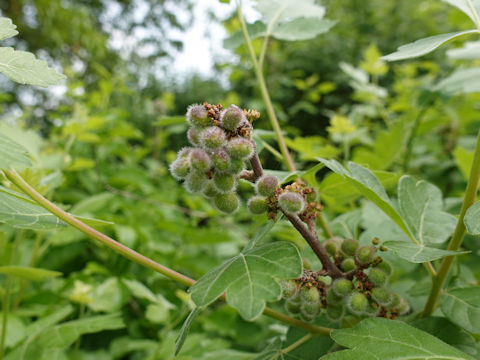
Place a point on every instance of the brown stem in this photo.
(317, 248)
(256, 165)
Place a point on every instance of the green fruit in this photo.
(184, 152)
(335, 313)
(382, 296)
(257, 205)
(232, 117)
(306, 317)
(306, 264)
(364, 254)
(291, 202)
(327, 280)
(227, 203)
(193, 135)
(403, 308)
(289, 288)
(310, 295)
(311, 195)
(348, 264)
(210, 190)
(386, 267)
(377, 277)
(197, 115)
(349, 246)
(292, 307)
(267, 185)
(196, 182)
(396, 300)
(236, 166)
(372, 309)
(357, 303)
(224, 182)
(212, 137)
(333, 299)
(199, 160)
(342, 287)
(310, 309)
(240, 148)
(332, 245)
(221, 160)
(180, 168)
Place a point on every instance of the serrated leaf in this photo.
(419, 253)
(463, 81)
(462, 307)
(182, 336)
(420, 205)
(384, 339)
(369, 186)
(24, 68)
(302, 29)
(7, 28)
(465, 7)
(424, 46)
(28, 273)
(250, 278)
(63, 335)
(472, 219)
(12, 154)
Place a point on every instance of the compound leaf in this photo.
(23, 67)
(384, 339)
(419, 253)
(424, 46)
(250, 278)
(461, 306)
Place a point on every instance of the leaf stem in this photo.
(297, 343)
(458, 235)
(474, 13)
(125, 251)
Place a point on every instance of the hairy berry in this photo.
(193, 135)
(227, 203)
(342, 287)
(210, 190)
(224, 182)
(292, 307)
(382, 296)
(266, 185)
(231, 117)
(364, 254)
(403, 308)
(310, 295)
(289, 288)
(385, 266)
(196, 181)
(212, 137)
(184, 152)
(332, 245)
(311, 195)
(333, 299)
(257, 205)
(199, 160)
(348, 264)
(291, 202)
(396, 300)
(197, 115)
(310, 309)
(180, 168)
(357, 303)
(240, 148)
(236, 166)
(335, 313)
(377, 277)
(221, 160)
(349, 246)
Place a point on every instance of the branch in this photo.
(125, 251)
(317, 248)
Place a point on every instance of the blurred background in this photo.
(103, 140)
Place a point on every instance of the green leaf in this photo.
(182, 336)
(302, 29)
(384, 339)
(12, 154)
(465, 7)
(420, 205)
(424, 46)
(64, 335)
(7, 28)
(419, 253)
(28, 273)
(469, 51)
(21, 212)
(463, 81)
(255, 30)
(286, 10)
(261, 233)
(369, 186)
(462, 307)
(464, 159)
(249, 279)
(24, 68)
(472, 219)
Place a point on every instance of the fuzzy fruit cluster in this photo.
(220, 145)
(362, 292)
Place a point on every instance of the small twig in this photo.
(297, 343)
(317, 248)
(256, 165)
